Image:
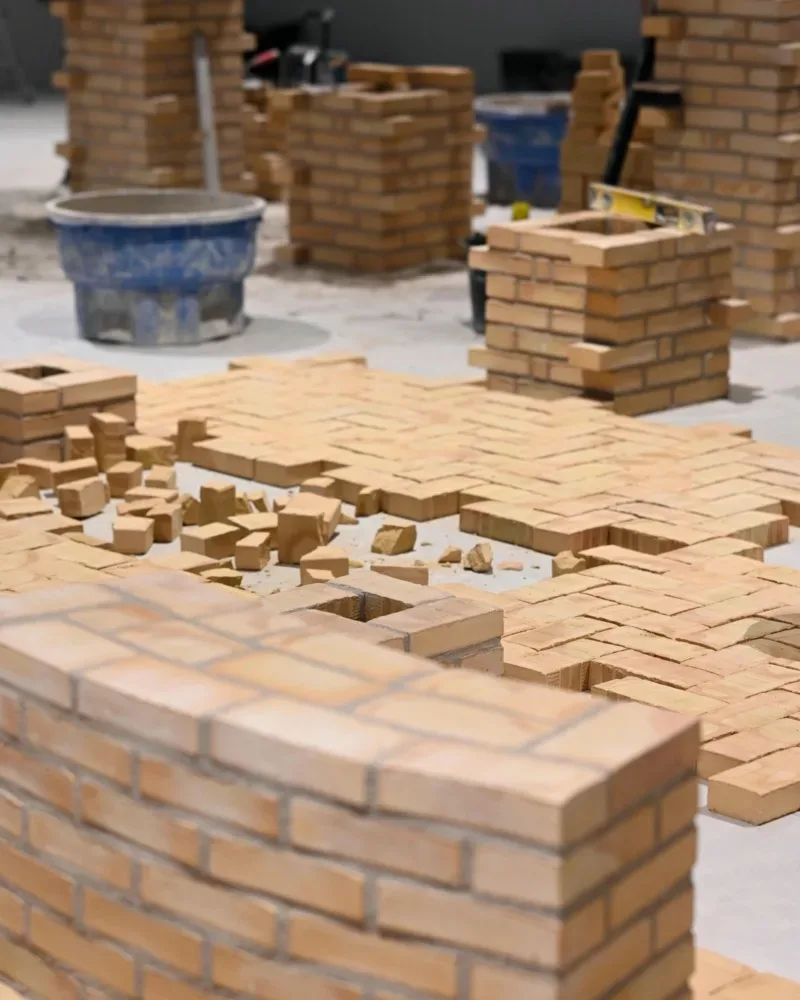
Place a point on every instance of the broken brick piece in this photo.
(83, 497)
(394, 538)
(479, 558)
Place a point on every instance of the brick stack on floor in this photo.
(738, 148)
(382, 169)
(131, 95)
(597, 96)
(266, 122)
(41, 397)
(587, 304)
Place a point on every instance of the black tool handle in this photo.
(630, 115)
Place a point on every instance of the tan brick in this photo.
(237, 970)
(34, 878)
(300, 879)
(301, 745)
(292, 677)
(656, 748)
(430, 970)
(167, 704)
(531, 938)
(78, 744)
(513, 872)
(40, 657)
(21, 965)
(103, 962)
(52, 784)
(109, 810)
(536, 799)
(653, 879)
(326, 830)
(51, 835)
(236, 913)
(238, 804)
(178, 948)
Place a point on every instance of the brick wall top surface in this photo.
(176, 662)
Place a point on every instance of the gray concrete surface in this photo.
(747, 878)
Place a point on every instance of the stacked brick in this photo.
(592, 305)
(280, 811)
(266, 121)
(131, 94)
(597, 96)
(41, 397)
(737, 147)
(382, 169)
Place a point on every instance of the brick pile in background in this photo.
(381, 169)
(40, 398)
(131, 95)
(206, 800)
(736, 145)
(597, 96)
(589, 304)
(266, 122)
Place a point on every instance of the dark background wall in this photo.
(458, 32)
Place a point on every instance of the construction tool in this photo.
(652, 209)
(9, 60)
(642, 93)
(309, 64)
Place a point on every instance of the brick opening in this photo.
(38, 371)
(604, 226)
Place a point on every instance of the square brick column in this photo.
(382, 169)
(591, 305)
(131, 95)
(736, 147)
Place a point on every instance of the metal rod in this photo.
(205, 104)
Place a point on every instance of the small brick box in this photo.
(600, 306)
(382, 169)
(41, 396)
(213, 800)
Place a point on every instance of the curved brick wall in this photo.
(204, 799)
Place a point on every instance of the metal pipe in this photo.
(205, 104)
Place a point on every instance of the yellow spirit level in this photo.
(652, 209)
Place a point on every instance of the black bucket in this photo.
(477, 288)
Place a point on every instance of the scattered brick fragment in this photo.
(479, 558)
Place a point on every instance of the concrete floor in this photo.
(747, 878)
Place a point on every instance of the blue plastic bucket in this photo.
(523, 143)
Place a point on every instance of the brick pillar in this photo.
(737, 146)
(382, 169)
(130, 84)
